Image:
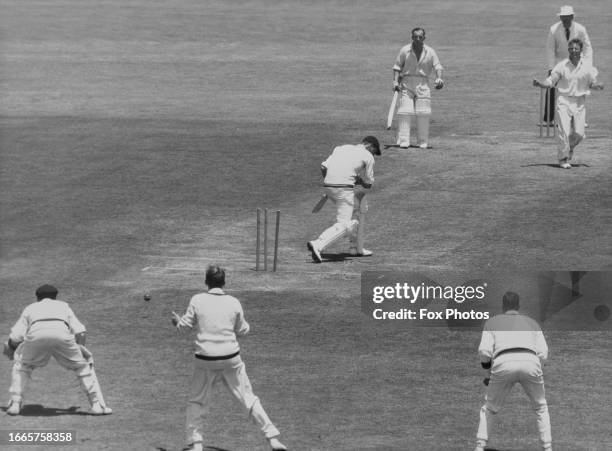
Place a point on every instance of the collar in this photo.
(512, 312)
(216, 291)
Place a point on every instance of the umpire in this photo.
(511, 350)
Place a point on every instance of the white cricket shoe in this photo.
(314, 252)
(99, 409)
(423, 146)
(195, 447)
(565, 165)
(14, 407)
(404, 144)
(276, 444)
(364, 252)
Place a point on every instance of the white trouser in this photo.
(345, 200)
(570, 124)
(360, 208)
(36, 353)
(232, 373)
(507, 370)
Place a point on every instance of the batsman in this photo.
(348, 173)
(413, 66)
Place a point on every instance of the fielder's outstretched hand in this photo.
(175, 318)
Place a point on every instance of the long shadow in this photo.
(37, 410)
(411, 146)
(339, 257)
(210, 448)
(555, 165)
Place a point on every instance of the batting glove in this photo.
(439, 83)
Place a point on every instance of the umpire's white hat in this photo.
(566, 11)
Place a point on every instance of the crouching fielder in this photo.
(574, 78)
(348, 173)
(511, 350)
(49, 328)
(413, 66)
(219, 319)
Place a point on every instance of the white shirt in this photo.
(346, 162)
(574, 81)
(511, 330)
(408, 65)
(556, 43)
(47, 317)
(219, 318)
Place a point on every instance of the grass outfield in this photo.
(137, 138)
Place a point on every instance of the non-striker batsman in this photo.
(413, 66)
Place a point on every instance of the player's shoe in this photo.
(99, 409)
(276, 444)
(314, 252)
(364, 252)
(404, 144)
(423, 145)
(14, 407)
(565, 165)
(479, 448)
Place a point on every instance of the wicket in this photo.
(264, 237)
(545, 94)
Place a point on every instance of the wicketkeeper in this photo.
(413, 66)
(348, 173)
(49, 328)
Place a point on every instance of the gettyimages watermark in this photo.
(562, 300)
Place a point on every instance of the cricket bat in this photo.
(320, 204)
(392, 110)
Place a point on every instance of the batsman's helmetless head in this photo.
(510, 301)
(46, 291)
(215, 277)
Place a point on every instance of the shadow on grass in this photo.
(555, 165)
(411, 146)
(37, 410)
(209, 448)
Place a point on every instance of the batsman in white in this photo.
(48, 328)
(219, 319)
(348, 172)
(413, 66)
(574, 78)
(511, 350)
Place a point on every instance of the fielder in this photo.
(574, 79)
(411, 71)
(511, 350)
(50, 328)
(558, 38)
(219, 319)
(347, 172)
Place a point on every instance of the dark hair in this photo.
(510, 301)
(576, 41)
(373, 142)
(215, 276)
(46, 291)
(417, 29)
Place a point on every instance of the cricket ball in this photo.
(147, 297)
